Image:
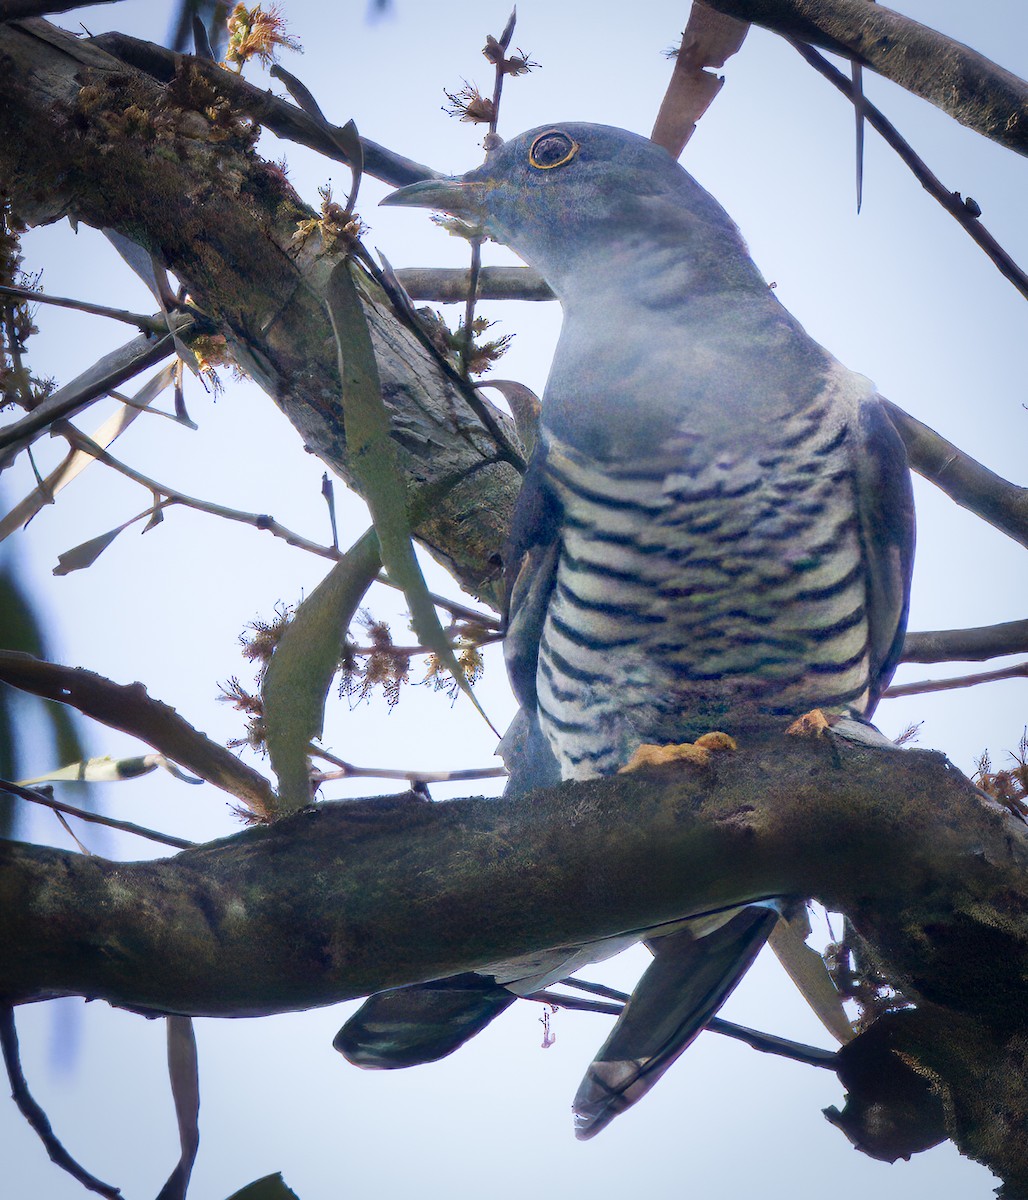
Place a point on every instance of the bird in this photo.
(715, 532)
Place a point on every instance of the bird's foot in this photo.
(698, 752)
(812, 724)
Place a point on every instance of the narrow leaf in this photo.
(301, 669)
(709, 39)
(185, 1091)
(806, 968)
(84, 555)
(103, 769)
(271, 1187)
(373, 458)
(345, 138)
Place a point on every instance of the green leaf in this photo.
(185, 1091)
(271, 1187)
(86, 553)
(373, 459)
(103, 769)
(301, 669)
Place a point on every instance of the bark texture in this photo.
(972, 89)
(347, 898)
(86, 136)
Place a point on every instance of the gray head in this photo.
(567, 196)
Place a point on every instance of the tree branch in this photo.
(976, 92)
(1017, 671)
(966, 645)
(449, 285)
(965, 212)
(195, 195)
(974, 487)
(347, 898)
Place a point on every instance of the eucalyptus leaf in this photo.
(300, 673)
(86, 553)
(373, 459)
(102, 769)
(185, 1091)
(271, 1187)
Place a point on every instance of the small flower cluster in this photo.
(256, 33)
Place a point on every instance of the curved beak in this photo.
(460, 197)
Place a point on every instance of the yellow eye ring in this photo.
(542, 161)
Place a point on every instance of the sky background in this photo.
(899, 293)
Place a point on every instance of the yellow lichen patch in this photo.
(716, 740)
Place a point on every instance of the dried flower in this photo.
(469, 105)
(256, 33)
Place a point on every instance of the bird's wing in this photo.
(885, 507)
(687, 982)
(413, 1025)
(530, 566)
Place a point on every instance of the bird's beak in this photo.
(460, 197)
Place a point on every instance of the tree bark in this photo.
(972, 89)
(347, 898)
(86, 136)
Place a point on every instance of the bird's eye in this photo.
(552, 149)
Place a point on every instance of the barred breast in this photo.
(709, 591)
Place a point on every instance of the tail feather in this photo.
(409, 1026)
(685, 985)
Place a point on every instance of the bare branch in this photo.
(974, 487)
(966, 645)
(129, 708)
(58, 806)
(109, 372)
(1018, 671)
(966, 212)
(449, 285)
(963, 83)
(257, 520)
(34, 1114)
(147, 324)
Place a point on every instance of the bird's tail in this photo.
(413, 1025)
(687, 982)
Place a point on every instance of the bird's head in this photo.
(567, 197)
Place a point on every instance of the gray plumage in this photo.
(716, 528)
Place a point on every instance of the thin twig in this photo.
(966, 212)
(34, 1114)
(966, 645)
(974, 487)
(257, 520)
(458, 610)
(38, 797)
(767, 1043)
(1018, 671)
(349, 771)
(146, 324)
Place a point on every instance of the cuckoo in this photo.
(715, 532)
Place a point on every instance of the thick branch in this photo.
(191, 191)
(962, 478)
(959, 80)
(346, 898)
(966, 645)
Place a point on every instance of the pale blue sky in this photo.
(900, 294)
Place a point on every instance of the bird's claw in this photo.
(812, 724)
(698, 752)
